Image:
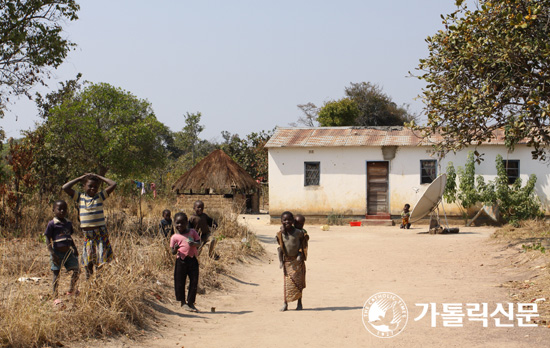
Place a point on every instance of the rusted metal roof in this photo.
(357, 136)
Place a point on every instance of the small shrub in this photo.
(534, 246)
(335, 219)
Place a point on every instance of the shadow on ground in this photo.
(164, 310)
(332, 309)
(240, 281)
(267, 239)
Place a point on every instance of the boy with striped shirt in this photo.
(97, 248)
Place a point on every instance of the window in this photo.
(312, 173)
(428, 171)
(512, 170)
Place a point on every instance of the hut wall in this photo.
(236, 204)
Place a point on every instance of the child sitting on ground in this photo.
(165, 226)
(185, 243)
(61, 246)
(405, 217)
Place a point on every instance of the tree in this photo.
(188, 138)
(365, 104)
(52, 168)
(250, 152)
(311, 112)
(22, 176)
(343, 112)
(515, 202)
(376, 108)
(103, 128)
(490, 69)
(31, 43)
(67, 91)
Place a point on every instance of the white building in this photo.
(357, 171)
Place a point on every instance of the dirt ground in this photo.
(347, 265)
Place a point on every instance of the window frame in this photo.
(306, 184)
(422, 161)
(511, 179)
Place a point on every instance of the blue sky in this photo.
(245, 65)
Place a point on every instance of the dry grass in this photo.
(528, 231)
(120, 298)
(531, 243)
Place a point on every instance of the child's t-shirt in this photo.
(166, 227)
(60, 231)
(183, 241)
(91, 208)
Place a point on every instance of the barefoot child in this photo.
(61, 246)
(405, 217)
(166, 228)
(292, 250)
(97, 248)
(185, 243)
(202, 223)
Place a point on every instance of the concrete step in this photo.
(376, 222)
(378, 217)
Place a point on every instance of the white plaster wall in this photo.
(342, 187)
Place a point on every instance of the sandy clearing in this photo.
(347, 265)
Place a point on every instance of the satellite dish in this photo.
(430, 199)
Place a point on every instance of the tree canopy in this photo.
(365, 104)
(31, 42)
(188, 139)
(103, 128)
(376, 108)
(248, 152)
(488, 69)
(309, 119)
(342, 112)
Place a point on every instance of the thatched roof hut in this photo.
(216, 173)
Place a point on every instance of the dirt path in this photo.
(346, 266)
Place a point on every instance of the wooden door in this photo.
(377, 188)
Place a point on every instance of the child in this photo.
(165, 226)
(405, 217)
(299, 221)
(292, 250)
(61, 246)
(202, 223)
(97, 248)
(185, 244)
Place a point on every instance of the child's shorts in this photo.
(66, 259)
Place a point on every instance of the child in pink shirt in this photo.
(184, 243)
